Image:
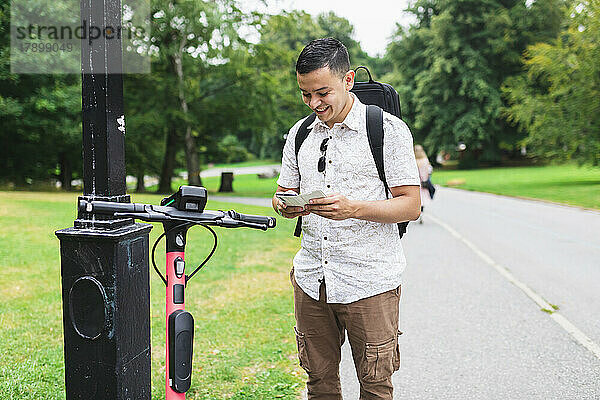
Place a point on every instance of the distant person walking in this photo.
(425, 170)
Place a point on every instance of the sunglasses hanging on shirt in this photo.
(321, 164)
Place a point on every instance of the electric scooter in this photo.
(178, 213)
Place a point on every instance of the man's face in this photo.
(327, 93)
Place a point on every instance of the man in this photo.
(347, 274)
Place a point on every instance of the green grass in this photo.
(568, 184)
(242, 303)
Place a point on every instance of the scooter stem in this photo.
(173, 304)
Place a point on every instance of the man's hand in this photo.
(336, 207)
(285, 211)
(289, 212)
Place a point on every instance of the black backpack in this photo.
(377, 96)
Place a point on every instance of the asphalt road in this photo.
(480, 269)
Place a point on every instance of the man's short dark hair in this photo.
(327, 52)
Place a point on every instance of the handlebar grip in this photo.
(269, 222)
(262, 227)
(109, 207)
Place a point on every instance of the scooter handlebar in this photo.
(146, 212)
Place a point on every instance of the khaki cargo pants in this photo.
(372, 327)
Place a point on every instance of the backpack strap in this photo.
(375, 135)
(303, 132)
(301, 135)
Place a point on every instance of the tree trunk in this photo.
(140, 187)
(191, 151)
(226, 182)
(66, 173)
(191, 157)
(166, 172)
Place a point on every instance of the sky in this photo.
(374, 21)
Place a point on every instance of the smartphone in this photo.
(285, 194)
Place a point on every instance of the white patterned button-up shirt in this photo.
(357, 258)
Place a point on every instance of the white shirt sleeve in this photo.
(398, 154)
(289, 177)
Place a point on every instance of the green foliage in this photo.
(459, 69)
(39, 118)
(199, 62)
(231, 89)
(558, 100)
(41, 125)
(230, 150)
(450, 66)
(283, 37)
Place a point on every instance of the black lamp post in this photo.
(104, 261)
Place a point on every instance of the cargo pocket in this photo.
(302, 354)
(380, 360)
(397, 353)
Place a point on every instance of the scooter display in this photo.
(178, 213)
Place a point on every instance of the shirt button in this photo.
(325, 262)
(330, 137)
(329, 161)
(325, 238)
(328, 186)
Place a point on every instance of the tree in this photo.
(54, 113)
(194, 42)
(557, 101)
(282, 38)
(40, 116)
(146, 125)
(406, 59)
(41, 129)
(341, 29)
(453, 63)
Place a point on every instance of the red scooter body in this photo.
(172, 280)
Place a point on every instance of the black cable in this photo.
(154, 263)
(191, 223)
(156, 244)
(188, 277)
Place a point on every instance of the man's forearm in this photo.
(397, 209)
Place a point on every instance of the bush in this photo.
(230, 150)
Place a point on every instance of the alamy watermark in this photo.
(48, 38)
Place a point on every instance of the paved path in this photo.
(480, 269)
(259, 169)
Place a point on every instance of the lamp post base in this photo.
(106, 312)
